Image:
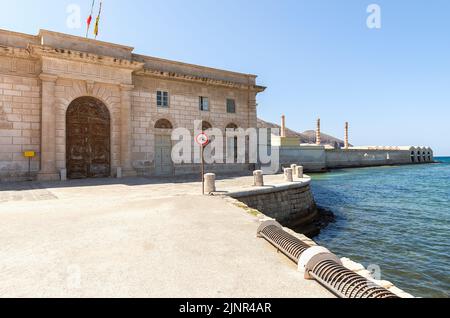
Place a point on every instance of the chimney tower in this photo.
(346, 136)
(283, 126)
(318, 137)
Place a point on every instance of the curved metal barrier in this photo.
(320, 264)
(289, 245)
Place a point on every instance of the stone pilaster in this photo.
(318, 134)
(252, 105)
(125, 130)
(48, 129)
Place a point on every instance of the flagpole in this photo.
(89, 20)
(98, 20)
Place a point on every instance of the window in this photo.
(231, 106)
(204, 103)
(162, 99)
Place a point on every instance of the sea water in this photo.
(396, 219)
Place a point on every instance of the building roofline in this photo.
(201, 67)
(131, 49)
(25, 35)
(40, 39)
(87, 40)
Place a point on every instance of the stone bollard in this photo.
(259, 178)
(299, 172)
(119, 173)
(294, 170)
(210, 183)
(288, 175)
(63, 174)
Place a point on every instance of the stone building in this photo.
(93, 109)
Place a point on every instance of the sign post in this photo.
(203, 140)
(29, 155)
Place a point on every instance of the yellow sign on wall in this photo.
(29, 154)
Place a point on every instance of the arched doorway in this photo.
(88, 139)
(163, 148)
(232, 144)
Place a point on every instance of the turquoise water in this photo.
(395, 217)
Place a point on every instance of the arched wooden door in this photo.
(88, 153)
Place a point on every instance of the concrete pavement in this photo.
(135, 238)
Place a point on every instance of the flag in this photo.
(89, 19)
(97, 21)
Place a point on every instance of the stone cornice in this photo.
(36, 52)
(43, 33)
(14, 52)
(199, 80)
(45, 51)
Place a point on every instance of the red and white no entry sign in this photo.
(202, 139)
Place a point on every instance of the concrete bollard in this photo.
(63, 174)
(210, 183)
(299, 172)
(288, 176)
(259, 178)
(119, 173)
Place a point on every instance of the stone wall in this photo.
(312, 158)
(317, 158)
(292, 204)
(366, 158)
(19, 117)
(183, 110)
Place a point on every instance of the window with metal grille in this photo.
(162, 99)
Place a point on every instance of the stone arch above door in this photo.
(163, 124)
(206, 125)
(231, 126)
(69, 90)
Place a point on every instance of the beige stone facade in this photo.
(41, 76)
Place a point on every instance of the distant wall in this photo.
(317, 158)
(365, 158)
(312, 158)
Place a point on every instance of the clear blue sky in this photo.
(317, 57)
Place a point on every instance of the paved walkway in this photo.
(136, 238)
